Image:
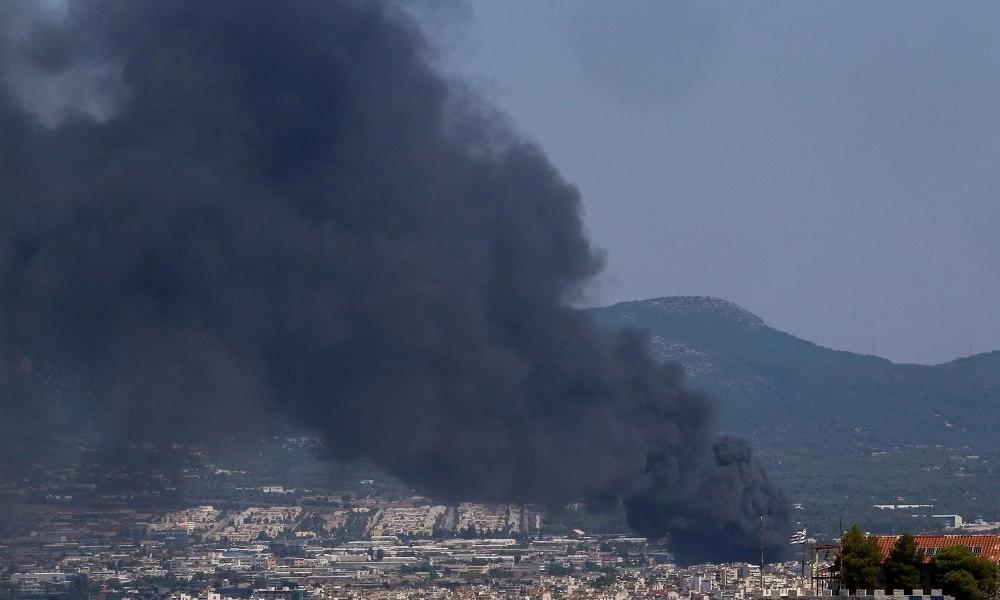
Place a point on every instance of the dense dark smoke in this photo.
(215, 212)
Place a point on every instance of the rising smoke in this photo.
(216, 212)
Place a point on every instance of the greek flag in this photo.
(799, 537)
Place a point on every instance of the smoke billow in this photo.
(217, 212)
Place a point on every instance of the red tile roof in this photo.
(990, 544)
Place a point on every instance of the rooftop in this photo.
(929, 545)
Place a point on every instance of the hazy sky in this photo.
(832, 167)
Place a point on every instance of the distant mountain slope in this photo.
(768, 382)
(829, 422)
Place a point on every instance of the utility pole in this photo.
(762, 555)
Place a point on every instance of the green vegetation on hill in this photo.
(841, 431)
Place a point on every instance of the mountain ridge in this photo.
(838, 414)
(706, 303)
(723, 344)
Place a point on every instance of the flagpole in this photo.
(762, 555)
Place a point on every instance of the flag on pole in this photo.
(799, 537)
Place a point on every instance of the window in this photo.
(977, 549)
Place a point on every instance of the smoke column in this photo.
(218, 212)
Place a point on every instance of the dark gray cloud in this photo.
(277, 210)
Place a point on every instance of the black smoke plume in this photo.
(215, 212)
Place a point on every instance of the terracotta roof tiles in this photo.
(988, 545)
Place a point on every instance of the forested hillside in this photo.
(842, 431)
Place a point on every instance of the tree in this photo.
(964, 575)
(902, 568)
(962, 585)
(557, 570)
(860, 567)
(80, 588)
(9, 591)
